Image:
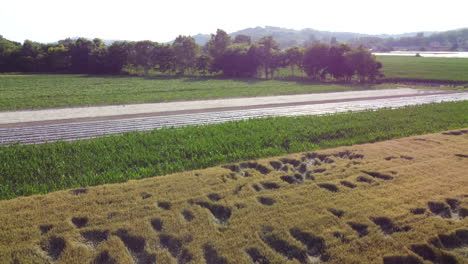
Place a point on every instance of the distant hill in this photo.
(201, 39)
(425, 40)
(291, 37)
(110, 41)
(452, 40)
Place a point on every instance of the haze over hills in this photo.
(291, 37)
(452, 40)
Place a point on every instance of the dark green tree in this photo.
(294, 57)
(267, 46)
(218, 43)
(58, 58)
(239, 60)
(185, 53)
(9, 52)
(315, 60)
(97, 57)
(163, 58)
(31, 57)
(337, 66)
(142, 54)
(279, 60)
(364, 64)
(80, 51)
(117, 56)
(203, 64)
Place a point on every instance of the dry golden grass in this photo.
(168, 219)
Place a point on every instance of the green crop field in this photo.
(46, 91)
(30, 169)
(444, 69)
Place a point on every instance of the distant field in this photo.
(394, 202)
(31, 169)
(49, 91)
(444, 69)
(46, 91)
(411, 68)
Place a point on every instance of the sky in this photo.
(163, 20)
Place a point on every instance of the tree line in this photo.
(222, 54)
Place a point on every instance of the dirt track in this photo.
(44, 128)
(184, 107)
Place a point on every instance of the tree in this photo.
(185, 53)
(97, 57)
(117, 56)
(31, 57)
(58, 58)
(216, 47)
(315, 60)
(364, 64)
(294, 57)
(218, 43)
(266, 47)
(239, 60)
(279, 60)
(374, 70)
(163, 58)
(203, 64)
(80, 51)
(336, 64)
(142, 54)
(9, 51)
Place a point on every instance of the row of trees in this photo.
(233, 57)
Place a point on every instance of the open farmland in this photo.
(31, 169)
(401, 201)
(127, 144)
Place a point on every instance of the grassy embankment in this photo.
(44, 168)
(401, 201)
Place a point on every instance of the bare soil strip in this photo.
(141, 110)
(203, 110)
(90, 129)
(399, 201)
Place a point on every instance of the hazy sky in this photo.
(51, 20)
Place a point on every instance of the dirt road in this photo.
(79, 123)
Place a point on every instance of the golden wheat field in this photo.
(399, 201)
